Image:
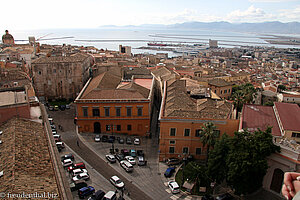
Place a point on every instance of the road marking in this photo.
(166, 183)
(174, 197)
(168, 190)
(188, 197)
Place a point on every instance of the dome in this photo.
(7, 38)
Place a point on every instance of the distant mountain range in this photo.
(264, 27)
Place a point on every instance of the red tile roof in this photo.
(257, 116)
(289, 115)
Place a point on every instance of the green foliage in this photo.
(281, 87)
(243, 94)
(241, 160)
(208, 136)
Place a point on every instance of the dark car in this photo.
(120, 157)
(104, 138)
(207, 197)
(97, 196)
(140, 153)
(74, 186)
(62, 107)
(85, 191)
(173, 161)
(225, 196)
(111, 139)
(169, 172)
(125, 152)
(128, 140)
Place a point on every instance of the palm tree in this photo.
(208, 136)
(238, 100)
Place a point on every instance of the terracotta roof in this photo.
(147, 83)
(291, 95)
(106, 94)
(135, 87)
(289, 115)
(219, 83)
(25, 159)
(256, 117)
(179, 104)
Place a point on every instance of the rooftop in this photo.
(25, 159)
(219, 83)
(78, 57)
(289, 115)
(256, 117)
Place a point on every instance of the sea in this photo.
(111, 38)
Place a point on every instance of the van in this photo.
(126, 165)
(110, 195)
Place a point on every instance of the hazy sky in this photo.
(37, 14)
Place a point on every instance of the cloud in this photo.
(290, 14)
(252, 14)
(269, 1)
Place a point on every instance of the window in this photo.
(140, 112)
(129, 127)
(171, 149)
(118, 127)
(198, 151)
(107, 127)
(225, 91)
(85, 112)
(295, 134)
(96, 112)
(172, 131)
(187, 132)
(106, 112)
(54, 70)
(185, 150)
(197, 133)
(172, 142)
(40, 72)
(221, 91)
(228, 90)
(215, 91)
(118, 112)
(128, 112)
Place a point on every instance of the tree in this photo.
(243, 94)
(208, 136)
(281, 88)
(241, 160)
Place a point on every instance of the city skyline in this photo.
(33, 14)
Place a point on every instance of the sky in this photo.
(37, 14)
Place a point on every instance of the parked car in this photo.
(169, 172)
(110, 195)
(207, 197)
(67, 162)
(80, 177)
(67, 156)
(62, 107)
(97, 195)
(121, 141)
(120, 157)
(174, 187)
(125, 152)
(116, 181)
(140, 153)
(97, 138)
(173, 161)
(111, 139)
(104, 138)
(130, 159)
(136, 141)
(56, 108)
(60, 145)
(68, 106)
(51, 121)
(85, 191)
(75, 172)
(128, 140)
(74, 186)
(141, 161)
(57, 137)
(126, 165)
(80, 165)
(225, 196)
(110, 158)
(132, 153)
(51, 108)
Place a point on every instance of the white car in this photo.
(126, 165)
(130, 159)
(174, 187)
(110, 158)
(80, 177)
(136, 141)
(75, 172)
(97, 138)
(67, 162)
(116, 181)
